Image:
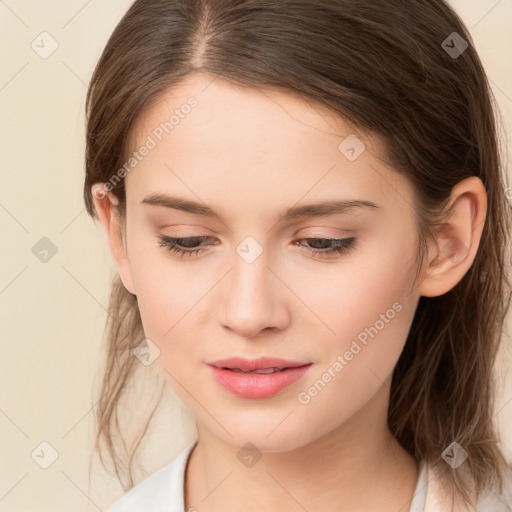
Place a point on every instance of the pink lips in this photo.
(257, 385)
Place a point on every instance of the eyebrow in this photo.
(320, 209)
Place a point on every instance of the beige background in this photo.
(52, 314)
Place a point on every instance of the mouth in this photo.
(261, 371)
(259, 378)
(268, 364)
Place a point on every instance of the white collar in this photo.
(164, 490)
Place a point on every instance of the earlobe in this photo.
(105, 204)
(453, 252)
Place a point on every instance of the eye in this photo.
(334, 245)
(176, 244)
(185, 247)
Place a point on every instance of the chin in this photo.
(279, 440)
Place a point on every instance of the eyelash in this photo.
(341, 246)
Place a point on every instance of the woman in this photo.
(306, 209)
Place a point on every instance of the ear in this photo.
(458, 239)
(105, 204)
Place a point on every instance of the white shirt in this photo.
(163, 491)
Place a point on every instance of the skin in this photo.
(250, 154)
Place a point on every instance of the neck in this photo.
(335, 471)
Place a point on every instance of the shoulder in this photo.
(496, 502)
(162, 490)
(437, 501)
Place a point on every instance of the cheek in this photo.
(370, 335)
(363, 291)
(165, 296)
(370, 310)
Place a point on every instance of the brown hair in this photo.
(386, 68)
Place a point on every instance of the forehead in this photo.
(222, 101)
(223, 143)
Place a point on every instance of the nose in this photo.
(254, 299)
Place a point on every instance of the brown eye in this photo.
(316, 246)
(332, 245)
(182, 246)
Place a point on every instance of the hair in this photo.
(381, 66)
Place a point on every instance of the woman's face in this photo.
(254, 163)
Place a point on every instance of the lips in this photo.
(257, 378)
(260, 371)
(261, 363)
